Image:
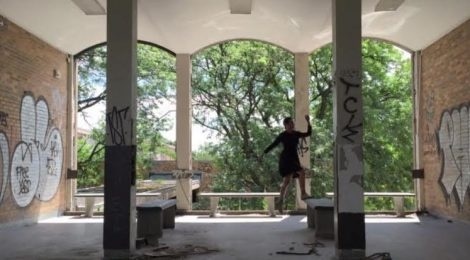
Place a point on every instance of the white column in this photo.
(183, 132)
(71, 159)
(119, 234)
(302, 108)
(348, 130)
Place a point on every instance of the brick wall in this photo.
(32, 127)
(444, 130)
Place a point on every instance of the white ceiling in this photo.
(186, 26)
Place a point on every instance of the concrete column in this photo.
(71, 159)
(302, 108)
(348, 130)
(417, 148)
(120, 153)
(183, 132)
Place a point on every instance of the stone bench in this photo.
(215, 196)
(153, 217)
(398, 199)
(91, 196)
(320, 216)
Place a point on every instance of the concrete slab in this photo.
(242, 237)
(57, 238)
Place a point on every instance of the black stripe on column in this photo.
(351, 231)
(119, 175)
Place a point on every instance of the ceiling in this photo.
(186, 26)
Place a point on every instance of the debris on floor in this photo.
(313, 249)
(170, 252)
(379, 256)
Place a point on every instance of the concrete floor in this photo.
(241, 237)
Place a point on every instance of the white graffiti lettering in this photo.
(454, 142)
(36, 166)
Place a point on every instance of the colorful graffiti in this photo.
(36, 164)
(454, 142)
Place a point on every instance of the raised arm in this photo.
(309, 128)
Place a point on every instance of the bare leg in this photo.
(284, 185)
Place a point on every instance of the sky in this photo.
(96, 113)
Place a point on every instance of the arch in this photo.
(139, 41)
(242, 39)
(396, 44)
(401, 46)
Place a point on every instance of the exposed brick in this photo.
(445, 86)
(26, 66)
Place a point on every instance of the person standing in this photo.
(289, 163)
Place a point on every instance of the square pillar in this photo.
(119, 233)
(302, 108)
(417, 147)
(183, 132)
(348, 130)
(71, 134)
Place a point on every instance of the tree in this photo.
(387, 119)
(90, 164)
(155, 91)
(242, 89)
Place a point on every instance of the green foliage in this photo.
(203, 154)
(156, 77)
(321, 106)
(243, 89)
(387, 120)
(91, 72)
(90, 155)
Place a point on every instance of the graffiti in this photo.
(36, 165)
(3, 119)
(115, 120)
(350, 176)
(354, 125)
(23, 179)
(24, 183)
(51, 166)
(454, 142)
(303, 146)
(4, 164)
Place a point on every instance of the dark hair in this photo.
(287, 120)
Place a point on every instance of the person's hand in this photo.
(307, 117)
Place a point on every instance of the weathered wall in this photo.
(33, 118)
(444, 131)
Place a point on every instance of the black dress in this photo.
(289, 162)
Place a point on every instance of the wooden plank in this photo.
(163, 204)
(381, 194)
(319, 202)
(239, 194)
(96, 195)
(388, 194)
